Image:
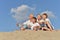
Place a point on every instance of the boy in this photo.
(35, 25)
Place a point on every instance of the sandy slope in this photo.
(30, 35)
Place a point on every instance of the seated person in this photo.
(40, 21)
(46, 23)
(27, 24)
(35, 25)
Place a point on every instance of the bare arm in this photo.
(49, 25)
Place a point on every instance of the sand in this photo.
(30, 35)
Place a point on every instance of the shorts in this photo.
(42, 25)
(26, 27)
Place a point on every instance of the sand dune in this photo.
(30, 35)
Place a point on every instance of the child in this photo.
(35, 25)
(46, 23)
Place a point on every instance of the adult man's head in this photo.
(31, 16)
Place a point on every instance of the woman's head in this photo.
(39, 17)
(34, 19)
(44, 16)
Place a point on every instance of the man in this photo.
(27, 24)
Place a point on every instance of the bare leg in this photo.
(45, 29)
(22, 28)
(35, 28)
(38, 27)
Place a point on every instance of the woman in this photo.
(46, 23)
(39, 20)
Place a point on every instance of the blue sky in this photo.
(7, 23)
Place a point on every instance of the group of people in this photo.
(41, 22)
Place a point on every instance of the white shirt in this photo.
(28, 23)
(35, 24)
(40, 20)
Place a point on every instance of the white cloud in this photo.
(49, 13)
(20, 13)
